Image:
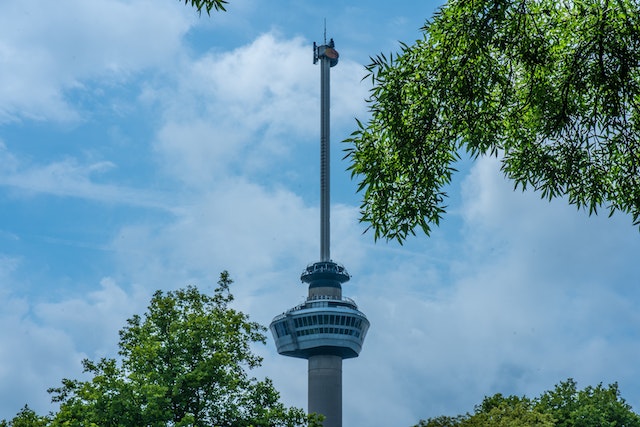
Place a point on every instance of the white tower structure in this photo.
(327, 327)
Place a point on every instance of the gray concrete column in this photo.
(325, 388)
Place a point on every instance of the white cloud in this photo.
(33, 357)
(234, 112)
(48, 48)
(566, 244)
(94, 319)
(239, 226)
(45, 341)
(536, 296)
(71, 178)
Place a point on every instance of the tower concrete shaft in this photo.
(325, 388)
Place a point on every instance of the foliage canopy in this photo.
(184, 363)
(552, 87)
(564, 406)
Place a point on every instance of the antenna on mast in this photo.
(325, 30)
(328, 58)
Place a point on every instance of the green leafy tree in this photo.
(442, 421)
(184, 363)
(552, 87)
(512, 411)
(497, 411)
(564, 406)
(591, 407)
(26, 418)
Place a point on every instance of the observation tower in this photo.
(326, 327)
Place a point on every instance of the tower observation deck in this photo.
(327, 327)
(326, 323)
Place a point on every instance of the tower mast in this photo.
(328, 57)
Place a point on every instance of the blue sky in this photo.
(143, 147)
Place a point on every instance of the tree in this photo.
(497, 411)
(564, 406)
(500, 411)
(184, 363)
(26, 418)
(207, 5)
(591, 407)
(551, 87)
(442, 421)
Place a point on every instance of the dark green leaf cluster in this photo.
(564, 406)
(27, 418)
(207, 5)
(550, 86)
(184, 363)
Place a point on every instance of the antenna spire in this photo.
(325, 30)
